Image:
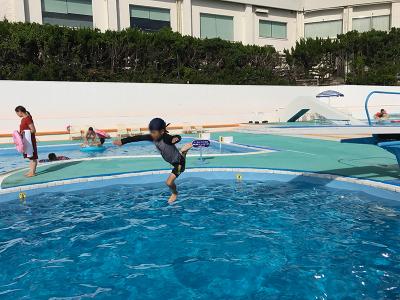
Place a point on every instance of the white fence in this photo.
(55, 105)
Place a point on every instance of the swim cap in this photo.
(157, 124)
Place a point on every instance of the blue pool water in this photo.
(221, 240)
(10, 159)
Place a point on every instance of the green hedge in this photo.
(45, 52)
(357, 58)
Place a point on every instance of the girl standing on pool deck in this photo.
(27, 124)
(166, 144)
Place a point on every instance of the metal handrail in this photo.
(369, 97)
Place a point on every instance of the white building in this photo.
(262, 22)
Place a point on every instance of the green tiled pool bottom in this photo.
(299, 154)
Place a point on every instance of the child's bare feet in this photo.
(173, 198)
(186, 148)
(30, 175)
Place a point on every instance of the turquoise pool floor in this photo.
(312, 155)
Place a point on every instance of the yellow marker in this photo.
(22, 196)
(239, 177)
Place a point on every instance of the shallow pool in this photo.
(10, 159)
(222, 240)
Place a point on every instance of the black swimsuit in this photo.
(179, 168)
(167, 149)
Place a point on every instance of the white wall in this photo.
(246, 22)
(33, 11)
(326, 4)
(7, 10)
(55, 105)
(100, 15)
(328, 12)
(234, 10)
(323, 15)
(278, 15)
(383, 9)
(395, 14)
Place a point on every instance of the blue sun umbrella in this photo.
(329, 94)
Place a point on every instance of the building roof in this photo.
(328, 4)
(294, 5)
(300, 5)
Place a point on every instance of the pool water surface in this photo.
(222, 240)
(10, 159)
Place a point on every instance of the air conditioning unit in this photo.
(262, 11)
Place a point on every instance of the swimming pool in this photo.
(224, 239)
(11, 159)
(325, 125)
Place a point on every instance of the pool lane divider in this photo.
(240, 171)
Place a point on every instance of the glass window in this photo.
(67, 20)
(149, 18)
(362, 24)
(56, 6)
(323, 29)
(71, 13)
(381, 23)
(79, 7)
(208, 26)
(270, 29)
(216, 26)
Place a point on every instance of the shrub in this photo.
(45, 52)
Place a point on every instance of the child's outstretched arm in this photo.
(172, 139)
(133, 139)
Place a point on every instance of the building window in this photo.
(380, 23)
(325, 29)
(268, 29)
(216, 26)
(149, 18)
(71, 13)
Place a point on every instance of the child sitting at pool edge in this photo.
(166, 144)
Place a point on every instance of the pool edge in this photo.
(82, 180)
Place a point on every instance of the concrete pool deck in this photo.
(294, 153)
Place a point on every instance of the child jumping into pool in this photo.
(166, 144)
